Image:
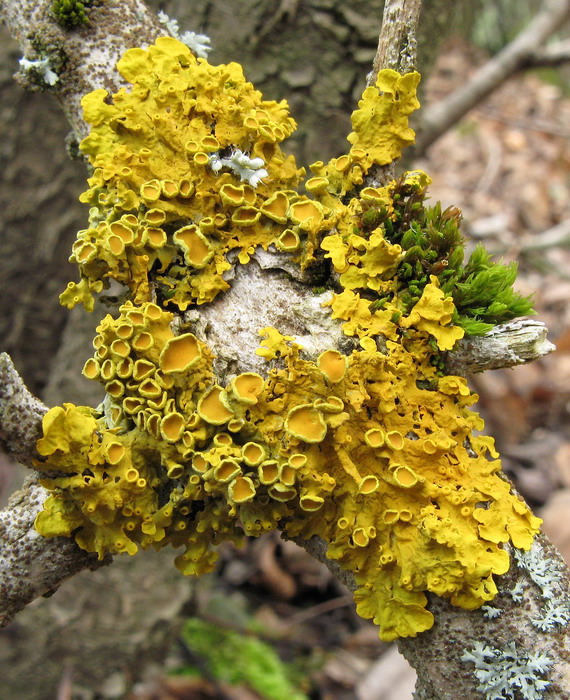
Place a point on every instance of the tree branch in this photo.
(535, 586)
(31, 565)
(55, 560)
(20, 414)
(89, 52)
(552, 56)
(507, 345)
(519, 54)
(397, 46)
(397, 50)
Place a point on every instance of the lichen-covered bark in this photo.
(436, 655)
(397, 47)
(507, 345)
(41, 565)
(88, 51)
(40, 211)
(20, 414)
(30, 565)
(316, 53)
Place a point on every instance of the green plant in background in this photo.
(491, 24)
(236, 658)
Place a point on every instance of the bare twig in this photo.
(318, 609)
(519, 54)
(552, 56)
(31, 565)
(397, 47)
(507, 345)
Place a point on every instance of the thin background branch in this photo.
(525, 51)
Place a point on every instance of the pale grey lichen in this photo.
(554, 614)
(490, 612)
(556, 611)
(41, 68)
(506, 674)
(540, 569)
(517, 591)
(198, 43)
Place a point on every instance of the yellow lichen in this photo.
(433, 314)
(306, 423)
(154, 176)
(381, 125)
(416, 503)
(372, 450)
(332, 364)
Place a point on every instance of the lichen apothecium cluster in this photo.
(376, 451)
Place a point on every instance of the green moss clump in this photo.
(237, 659)
(70, 13)
(432, 242)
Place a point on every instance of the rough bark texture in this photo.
(397, 47)
(88, 50)
(506, 345)
(436, 654)
(20, 414)
(31, 565)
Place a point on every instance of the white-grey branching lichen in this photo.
(556, 610)
(198, 43)
(539, 569)
(553, 615)
(516, 592)
(491, 612)
(507, 673)
(41, 68)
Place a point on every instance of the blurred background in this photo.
(271, 623)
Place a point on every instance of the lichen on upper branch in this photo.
(373, 448)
